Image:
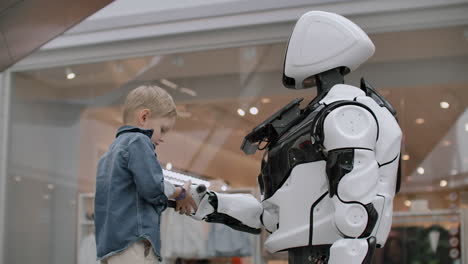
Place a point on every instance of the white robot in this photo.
(330, 171)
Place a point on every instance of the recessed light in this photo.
(444, 105)
(179, 178)
(446, 143)
(408, 203)
(241, 112)
(184, 114)
(405, 157)
(188, 91)
(169, 84)
(253, 110)
(168, 166)
(420, 170)
(265, 100)
(71, 76)
(443, 183)
(17, 178)
(419, 121)
(50, 186)
(466, 126)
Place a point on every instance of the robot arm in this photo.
(242, 212)
(350, 132)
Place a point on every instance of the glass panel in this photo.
(64, 118)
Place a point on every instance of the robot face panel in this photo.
(320, 42)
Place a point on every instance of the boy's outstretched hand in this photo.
(186, 205)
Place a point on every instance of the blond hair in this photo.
(151, 97)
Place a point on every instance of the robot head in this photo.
(320, 42)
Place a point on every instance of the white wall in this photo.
(3, 150)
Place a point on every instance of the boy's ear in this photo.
(143, 116)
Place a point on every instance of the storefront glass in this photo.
(62, 119)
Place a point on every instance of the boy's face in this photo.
(161, 127)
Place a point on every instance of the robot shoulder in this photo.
(346, 124)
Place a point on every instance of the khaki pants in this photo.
(138, 253)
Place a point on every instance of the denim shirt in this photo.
(130, 195)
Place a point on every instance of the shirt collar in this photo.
(127, 129)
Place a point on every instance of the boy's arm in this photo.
(147, 171)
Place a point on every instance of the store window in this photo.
(63, 119)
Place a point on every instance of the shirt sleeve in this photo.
(169, 188)
(146, 170)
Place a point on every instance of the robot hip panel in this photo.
(302, 192)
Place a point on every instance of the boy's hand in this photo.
(186, 205)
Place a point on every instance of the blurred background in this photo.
(222, 60)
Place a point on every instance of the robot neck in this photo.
(326, 80)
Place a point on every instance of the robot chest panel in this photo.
(297, 147)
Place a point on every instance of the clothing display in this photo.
(186, 238)
(227, 242)
(182, 236)
(87, 250)
(419, 245)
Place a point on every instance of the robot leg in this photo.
(352, 251)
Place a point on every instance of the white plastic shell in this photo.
(322, 41)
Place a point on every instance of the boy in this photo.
(130, 188)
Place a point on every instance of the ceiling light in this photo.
(446, 143)
(466, 126)
(253, 110)
(184, 114)
(181, 178)
(443, 183)
(419, 121)
(420, 170)
(444, 105)
(241, 112)
(453, 172)
(50, 186)
(70, 75)
(408, 203)
(265, 100)
(169, 166)
(406, 157)
(46, 197)
(17, 178)
(168, 83)
(188, 91)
